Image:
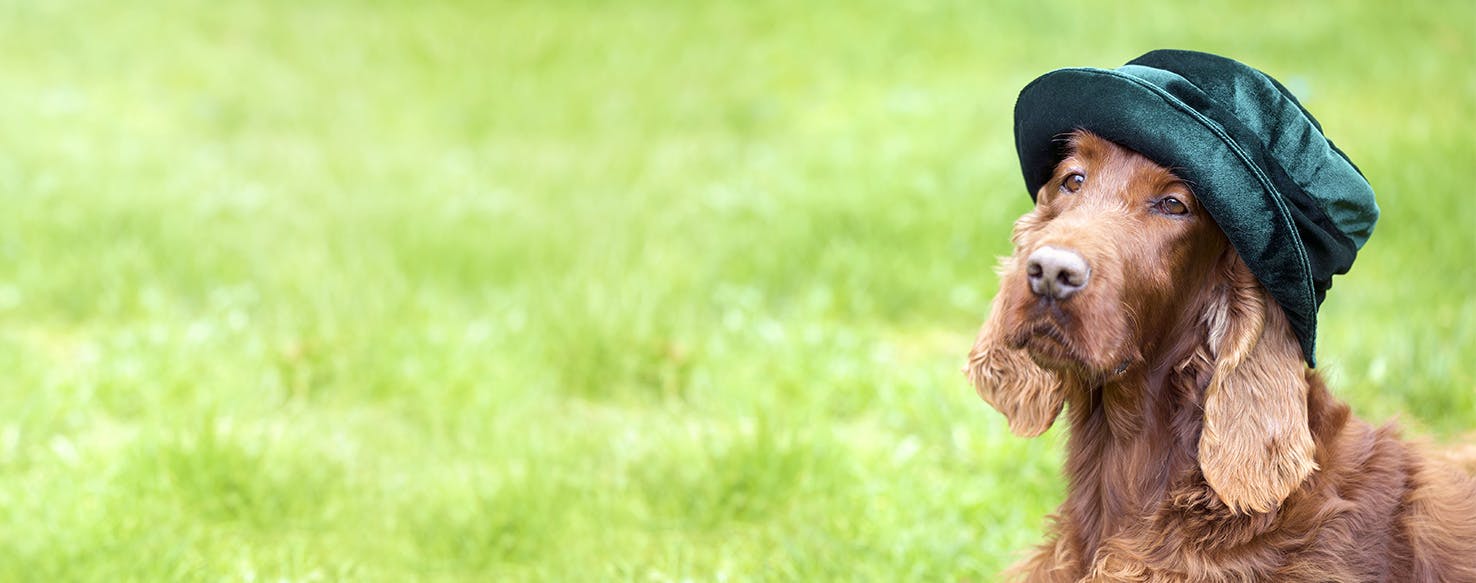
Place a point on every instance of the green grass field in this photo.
(389, 291)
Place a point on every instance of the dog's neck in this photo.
(1132, 437)
(1134, 441)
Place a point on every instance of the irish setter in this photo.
(1201, 446)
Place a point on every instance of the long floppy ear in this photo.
(1030, 397)
(1256, 446)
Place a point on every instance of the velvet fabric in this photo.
(1291, 203)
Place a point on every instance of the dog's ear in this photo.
(1030, 397)
(1256, 446)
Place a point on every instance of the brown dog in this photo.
(1201, 446)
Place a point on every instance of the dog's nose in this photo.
(1056, 273)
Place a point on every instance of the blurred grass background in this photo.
(634, 290)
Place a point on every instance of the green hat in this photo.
(1293, 205)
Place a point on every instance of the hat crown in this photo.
(1273, 113)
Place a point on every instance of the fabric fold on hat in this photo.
(1291, 203)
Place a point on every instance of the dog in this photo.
(1201, 445)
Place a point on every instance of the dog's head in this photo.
(1118, 266)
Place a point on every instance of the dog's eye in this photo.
(1170, 206)
(1073, 182)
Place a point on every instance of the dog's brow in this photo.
(1087, 146)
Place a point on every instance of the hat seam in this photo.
(1307, 292)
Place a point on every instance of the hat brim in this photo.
(1230, 178)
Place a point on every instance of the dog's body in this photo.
(1201, 448)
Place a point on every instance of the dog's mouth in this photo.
(1052, 348)
(1049, 346)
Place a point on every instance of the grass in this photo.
(602, 290)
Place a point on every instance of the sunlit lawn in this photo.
(602, 290)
